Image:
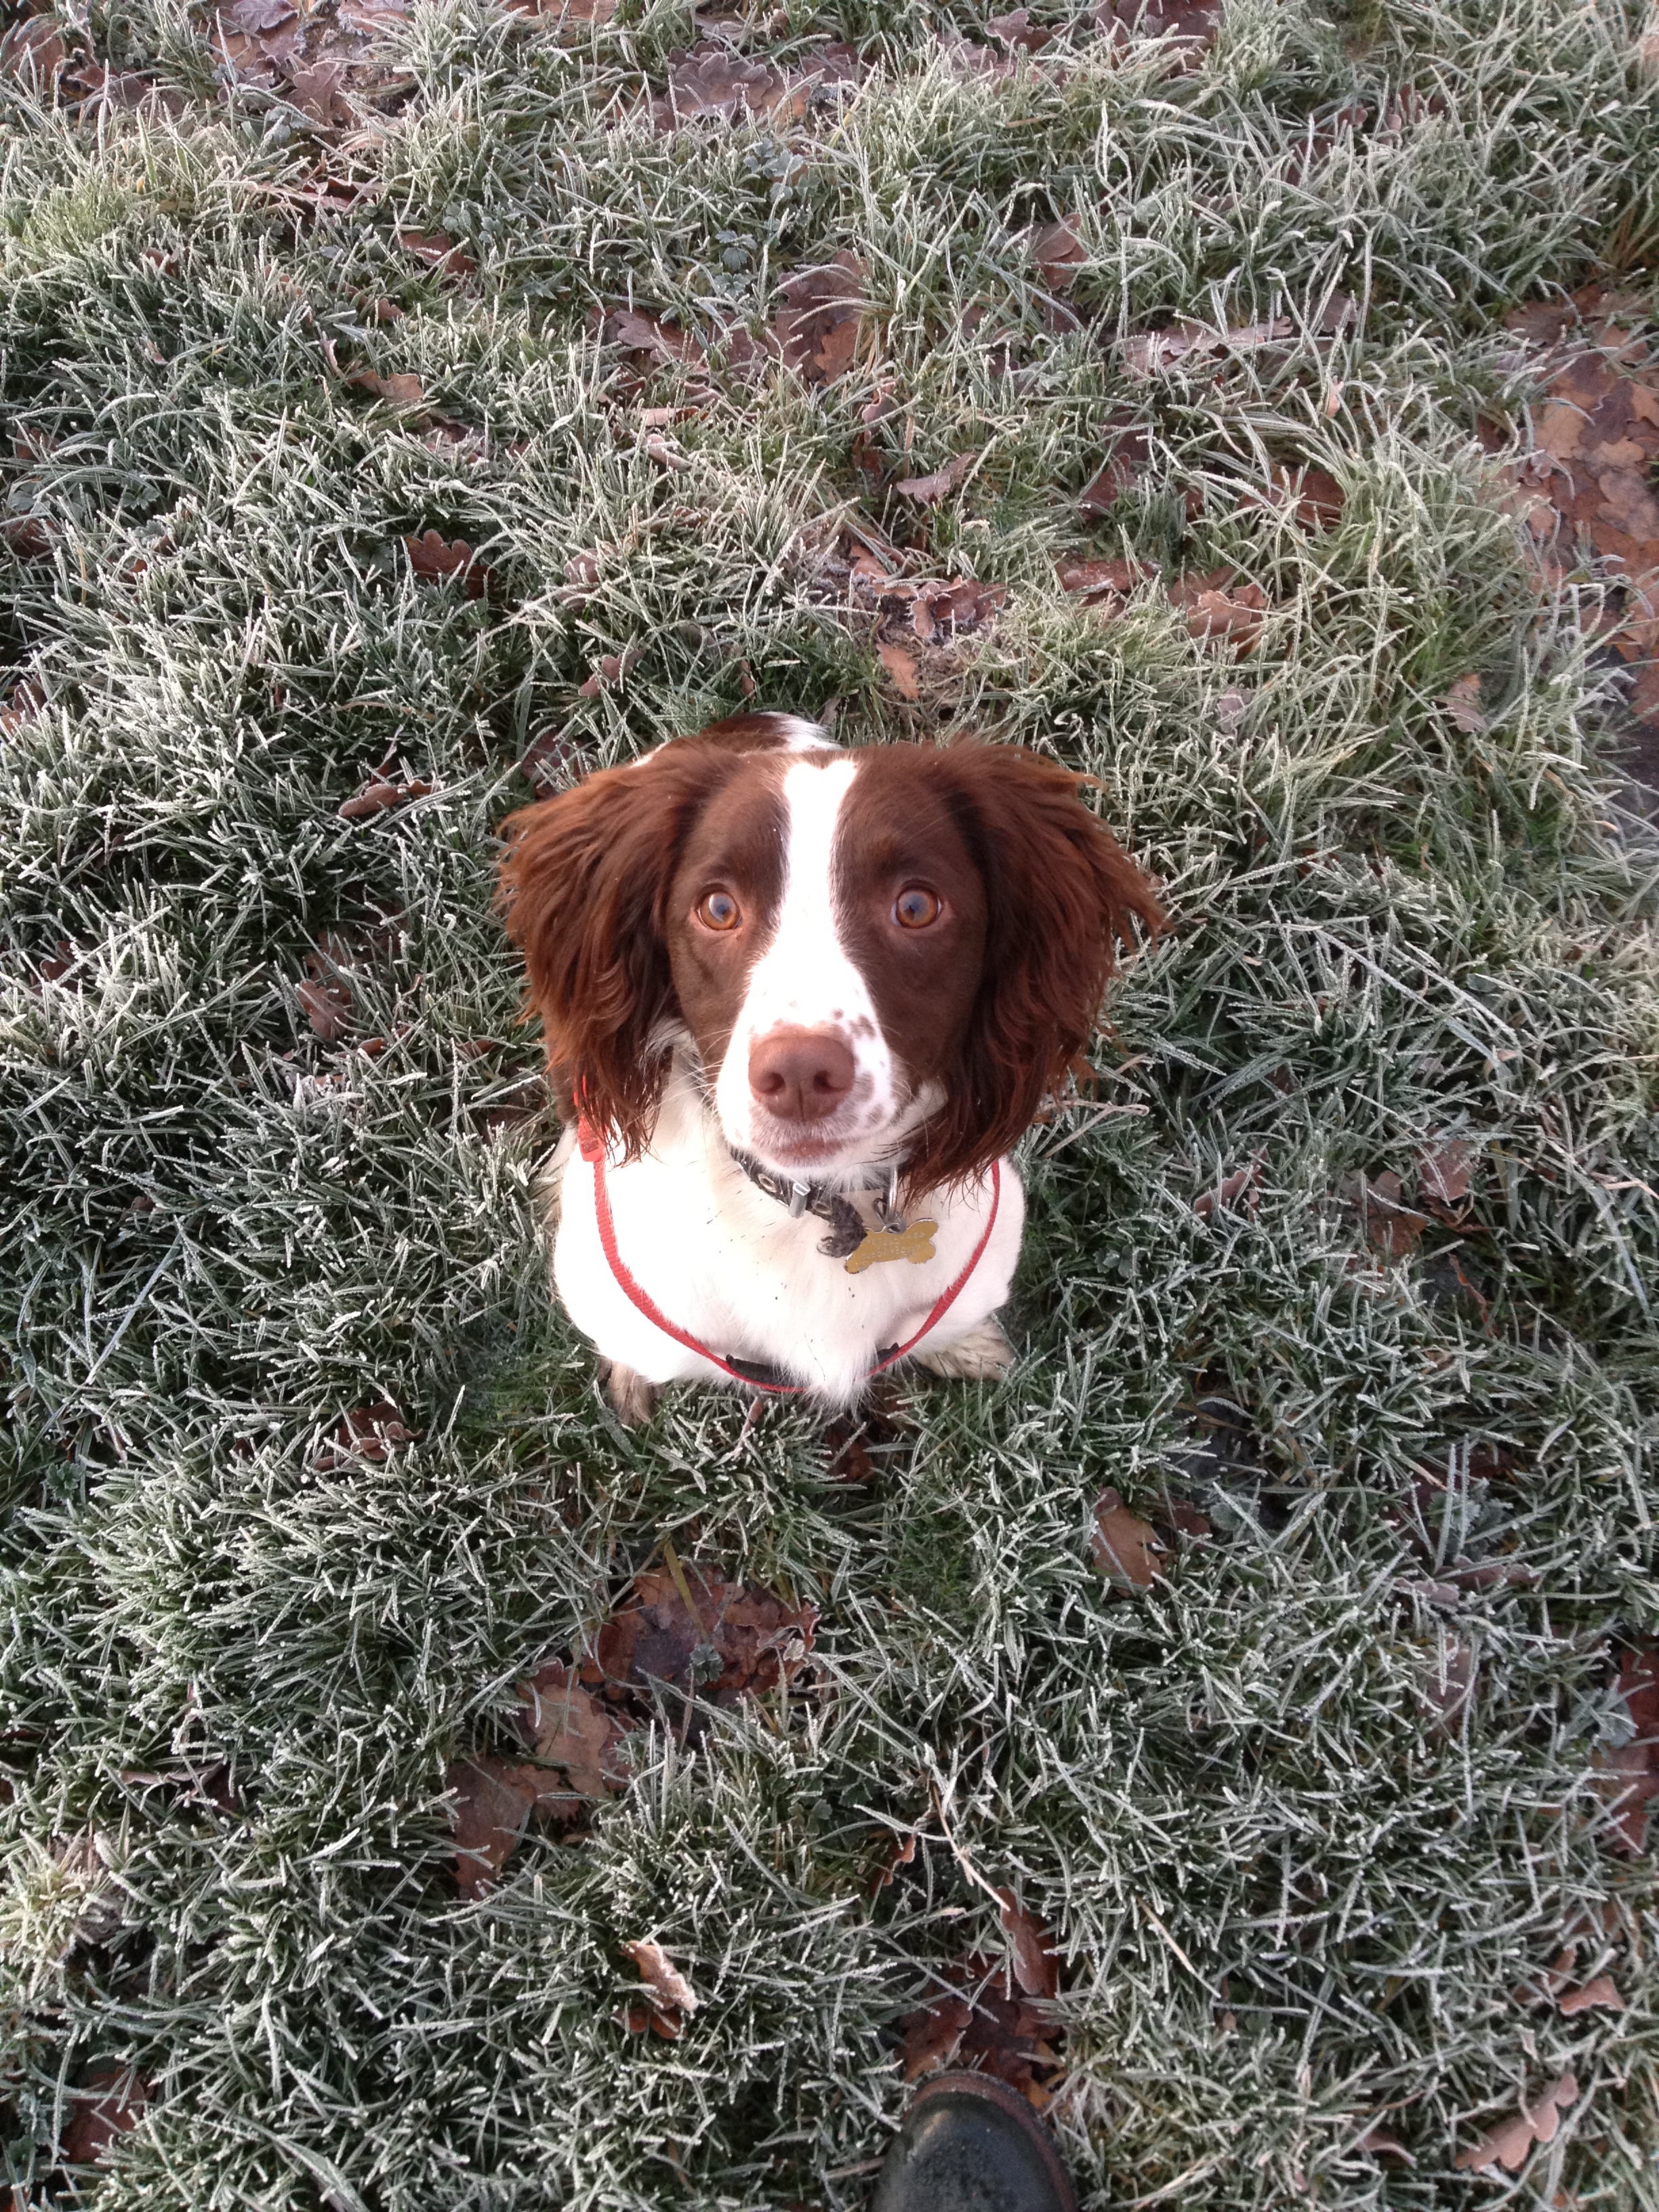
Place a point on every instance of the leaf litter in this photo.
(682, 1634)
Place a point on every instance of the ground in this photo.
(406, 411)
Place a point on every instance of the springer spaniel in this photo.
(787, 988)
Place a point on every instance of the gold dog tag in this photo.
(914, 1243)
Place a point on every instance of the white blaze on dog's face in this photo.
(857, 944)
(826, 928)
(807, 1081)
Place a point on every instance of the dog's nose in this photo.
(801, 1075)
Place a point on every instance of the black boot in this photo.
(969, 2144)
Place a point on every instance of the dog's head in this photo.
(892, 951)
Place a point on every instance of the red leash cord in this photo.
(591, 1147)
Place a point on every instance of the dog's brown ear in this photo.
(1060, 896)
(583, 886)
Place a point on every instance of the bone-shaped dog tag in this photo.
(914, 1243)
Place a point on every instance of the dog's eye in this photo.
(718, 910)
(916, 909)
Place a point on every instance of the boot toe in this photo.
(971, 2144)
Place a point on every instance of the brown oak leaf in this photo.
(722, 1639)
(817, 328)
(1444, 1169)
(1509, 2143)
(1313, 495)
(434, 558)
(634, 332)
(109, 2103)
(1239, 1191)
(438, 251)
(1120, 472)
(367, 1433)
(1017, 30)
(979, 2020)
(713, 81)
(1462, 705)
(1035, 1967)
(666, 1989)
(1602, 1991)
(1059, 253)
(1220, 610)
(1103, 584)
(319, 90)
(33, 51)
(494, 1801)
(403, 390)
(566, 1726)
(901, 667)
(326, 1001)
(1126, 1550)
(929, 491)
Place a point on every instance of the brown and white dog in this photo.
(783, 984)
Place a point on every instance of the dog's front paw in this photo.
(633, 1399)
(984, 1355)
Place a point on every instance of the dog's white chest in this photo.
(694, 1245)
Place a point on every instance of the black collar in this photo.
(846, 1231)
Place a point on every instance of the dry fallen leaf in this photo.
(1462, 705)
(1015, 29)
(713, 81)
(1036, 1968)
(900, 1851)
(1444, 1169)
(402, 390)
(33, 51)
(1388, 1223)
(326, 1004)
(566, 1726)
(255, 16)
(1126, 1549)
(1239, 1191)
(438, 251)
(927, 491)
(816, 329)
(368, 1434)
(27, 536)
(495, 1800)
(980, 2021)
(613, 668)
(318, 91)
(1128, 461)
(1602, 1991)
(434, 558)
(688, 1629)
(901, 667)
(666, 1988)
(1101, 583)
(1313, 495)
(637, 333)
(1219, 609)
(1627, 1774)
(108, 2103)
(1187, 23)
(377, 797)
(1059, 253)
(1508, 2144)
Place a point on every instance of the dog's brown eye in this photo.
(916, 909)
(718, 910)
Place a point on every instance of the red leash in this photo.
(591, 1147)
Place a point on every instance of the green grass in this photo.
(1290, 1903)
